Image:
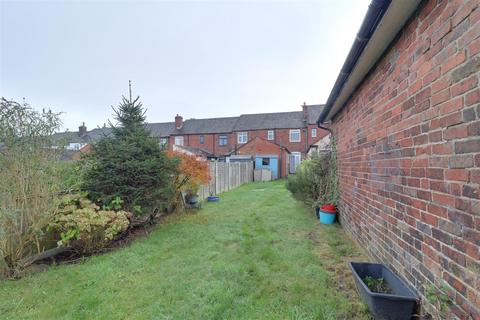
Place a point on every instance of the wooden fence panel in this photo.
(226, 176)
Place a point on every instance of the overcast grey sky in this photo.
(198, 59)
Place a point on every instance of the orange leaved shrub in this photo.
(193, 172)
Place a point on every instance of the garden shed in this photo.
(267, 161)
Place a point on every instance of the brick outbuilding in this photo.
(267, 154)
(405, 114)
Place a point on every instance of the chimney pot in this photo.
(178, 121)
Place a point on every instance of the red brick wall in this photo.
(210, 144)
(282, 137)
(224, 150)
(408, 146)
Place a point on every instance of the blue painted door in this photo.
(267, 162)
(274, 167)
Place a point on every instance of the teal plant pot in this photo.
(327, 217)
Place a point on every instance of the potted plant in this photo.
(325, 211)
(323, 173)
(386, 295)
(191, 196)
(327, 214)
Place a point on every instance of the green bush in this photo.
(78, 219)
(29, 181)
(315, 180)
(71, 173)
(130, 164)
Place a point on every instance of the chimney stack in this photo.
(305, 112)
(178, 122)
(82, 130)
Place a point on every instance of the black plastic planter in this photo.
(398, 305)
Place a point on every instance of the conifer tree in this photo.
(130, 164)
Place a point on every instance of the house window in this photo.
(314, 132)
(163, 142)
(202, 139)
(265, 161)
(242, 137)
(295, 135)
(179, 140)
(270, 135)
(222, 140)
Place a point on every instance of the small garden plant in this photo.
(78, 219)
(377, 285)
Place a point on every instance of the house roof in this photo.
(269, 121)
(212, 125)
(195, 151)
(259, 139)
(163, 129)
(314, 111)
(159, 130)
(278, 120)
(383, 21)
(74, 136)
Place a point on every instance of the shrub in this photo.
(72, 173)
(315, 180)
(130, 164)
(29, 180)
(193, 173)
(80, 220)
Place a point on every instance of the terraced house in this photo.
(277, 140)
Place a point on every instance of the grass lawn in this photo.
(257, 254)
